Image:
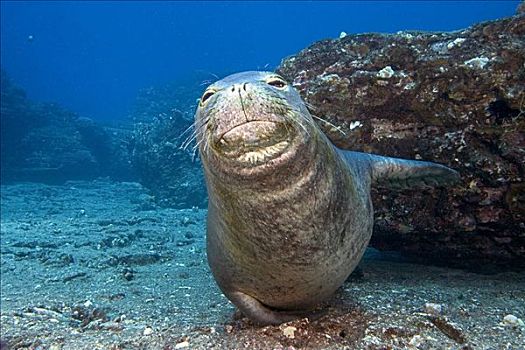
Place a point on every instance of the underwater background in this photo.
(103, 203)
(94, 57)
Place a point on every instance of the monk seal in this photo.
(289, 214)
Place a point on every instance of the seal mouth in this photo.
(255, 142)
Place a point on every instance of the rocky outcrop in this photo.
(44, 142)
(456, 98)
(171, 171)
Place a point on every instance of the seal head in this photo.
(253, 125)
(289, 214)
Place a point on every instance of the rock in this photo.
(73, 276)
(477, 62)
(289, 332)
(147, 331)
(451, 330)
(128, 274)
(184, 275)
(139, 259)
(521, 8)
(416, 341)
(43, 142)
(186, 221)
(455, 98)
(181, 345)
(169, 170)
(433, 309)
(111, 326)
(386, 73)
(513, 321)
(91, 317)
(184, 242)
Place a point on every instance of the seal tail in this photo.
(396, 173)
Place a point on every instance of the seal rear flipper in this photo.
(399, 173)
(263, 315)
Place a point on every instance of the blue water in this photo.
(93, 57)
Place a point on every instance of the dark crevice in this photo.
(501, 110)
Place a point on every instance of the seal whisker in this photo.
(190, 127)
(197, 131)
(293, 114)
(338, 128)
(304, 128)
(200, 134)
(193, 155)
(189, 140)
(194, 149)
(310, 106)
(204, 123)
(310, 121)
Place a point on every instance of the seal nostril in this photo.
(244, 86)
(233, 88)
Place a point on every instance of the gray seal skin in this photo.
(289, 214)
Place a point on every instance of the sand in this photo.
(97, 265)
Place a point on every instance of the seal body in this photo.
(289, 214)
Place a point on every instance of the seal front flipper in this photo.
(399, 173)
(402, 173)
(262, 315)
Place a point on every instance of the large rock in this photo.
(456, 98)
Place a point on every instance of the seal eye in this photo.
(276, 82)
(207, 94)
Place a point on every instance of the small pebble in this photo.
(477, 62)
(184, 275)
(433, 309)
(513, 321)
(186, 221)
(112, 326)
(148, 331)
(386, 73)
(127, 273)
(181, 345)
(289, 332)
(416, 341)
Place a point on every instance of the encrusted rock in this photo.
(160, 154)
(457, 98)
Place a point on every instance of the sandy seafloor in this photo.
(96, 265)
